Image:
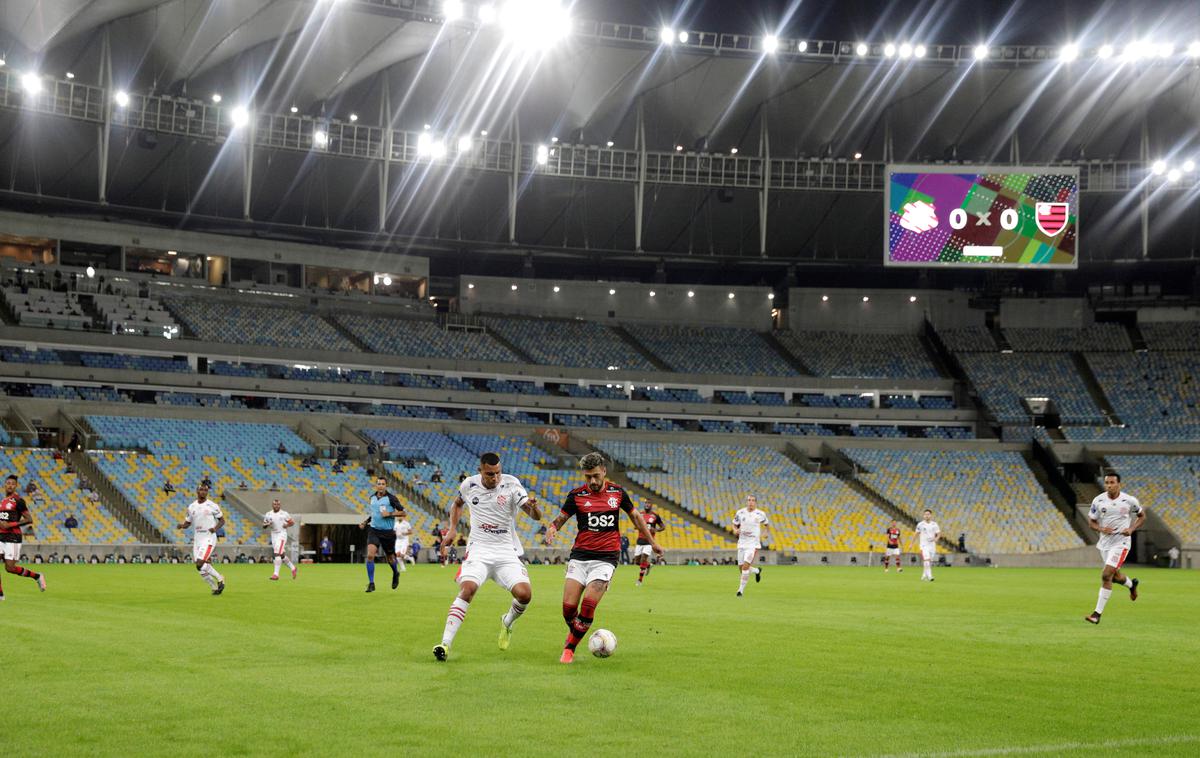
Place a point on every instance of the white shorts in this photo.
(891, 551)
(278, 543)
(507, 572)
(640, 550)
(586, 572)
(202, 548)
(12, 551)
(401, 547)
(1115, 556)
(928, 553)
(747, 555)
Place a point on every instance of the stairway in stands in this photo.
(792, 360)
(641, 349)
(1094, 389)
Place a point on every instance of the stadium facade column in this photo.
(1145, 209)
(764, 155)
(385, 118)
(639, 190)
(105, 129)
(247, 167)
(514, 179)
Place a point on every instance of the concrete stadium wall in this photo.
(886, 311)
(1172, 314)
(749, 308)
(1058, 312)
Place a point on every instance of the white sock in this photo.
(928, 572)
(755, 569)
(216, 574)
(278, 560)
(207, 577)
(454, 619)
(288, 562)
(514, 613)
(1129, 582)
(745, 578)
(1103, 600)
(400, 562)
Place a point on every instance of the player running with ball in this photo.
(595, 508)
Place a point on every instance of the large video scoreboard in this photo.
(982, 216)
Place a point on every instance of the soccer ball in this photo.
(603, 643)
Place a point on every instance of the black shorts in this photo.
(384, 539)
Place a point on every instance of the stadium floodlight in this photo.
(424, 145)
(1164, 50)
(919, 51)
(1134, 51)
(487, 13)
(121, 98)
(437, 150)
(536, 24)
(353, 117)
(861, 49)
(31, 83)
(1159, 167)
(483, 132)
(3, 62)
(514, 288)
(554, 140)
(542, 155)
(1174, 175)
(802, 45)
(387, 281)
(653, 293)
(889, 50)
(216, 97)
(691, 293)
(912, 298)
(770, 44)
(1189, 165)
(733, 151)
(770, 295)
(679, 148)
(91, 272)
(294, 109)
(858, 156)
(906, 51)
(239, 116)
(471, 286)
(980, 52)
(172, 252)
(666, 35)
(557, 288)
(320, 139)
(866, 299)
(609, 143)
(683, 37)
(452, 10)
(1105, 52)
(612, 292)
(824, 298)
(1069, 52)
(464, 144)
(731, 295)
(1193, 50)
(70, 75)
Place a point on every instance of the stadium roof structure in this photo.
(382, 122)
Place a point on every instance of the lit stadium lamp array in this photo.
(1172, 173)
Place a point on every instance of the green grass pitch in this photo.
(133, 660)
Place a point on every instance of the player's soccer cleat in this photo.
(293, 572)
(41, 580)
(899, 571)
(441, 652)
(371, 587)
(639, 584)
(395, 581)
(1, 596)
(1132, 590)
(1093, 618)
(568, 656)
(220, 588)
(739, 593)
(274, 577)
(758, 576)
(505, 635)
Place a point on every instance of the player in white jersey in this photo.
(1116, 516)
(278, 521)
(493, 550)
(750, 523)
(928, 533)
(206, 519)
(404, 532)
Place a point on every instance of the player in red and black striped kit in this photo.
(15, 516)
(596, 508)
(893, 548)
(641, 553)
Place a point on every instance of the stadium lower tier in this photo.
(58, 496)
(1167, 485)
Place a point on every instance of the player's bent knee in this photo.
(522, 593)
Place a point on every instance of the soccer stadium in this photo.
(880, 322)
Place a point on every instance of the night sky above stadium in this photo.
(1043, 22)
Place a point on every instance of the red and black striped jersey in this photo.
(596, 515)
(12, 508)
(654, 524)
(893, 537)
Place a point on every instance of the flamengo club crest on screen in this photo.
(1051, 218)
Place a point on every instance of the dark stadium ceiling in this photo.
(330, 59)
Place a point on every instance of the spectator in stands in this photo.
(417, 480)
(71, 522)
(337, 467)
(274, 487)
(462, 477)
(73, 445)
(436, 534)
(371, 449)
(962, 542)
(31, 489)
(306, 463)
(282, 450)
(415, 549)
(84, 484)
(168, 488)
(326, 549)
(437, 476)
(94, 496)
(1173, 555)
(243, 485)
(624, 547)
(206, 482)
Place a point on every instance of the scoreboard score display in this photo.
(982, 216)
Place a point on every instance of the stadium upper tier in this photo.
(558, 342)
(808, 511)
(969, 339)
(847, 354)
(1096, 338)
(992, 497)
(424, 339)
(1166, 485)
(712, 350)
(1156, 395)
(456, 454)
(249, 324)
(58, 496)
(1003, 379)
(1178, 335)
